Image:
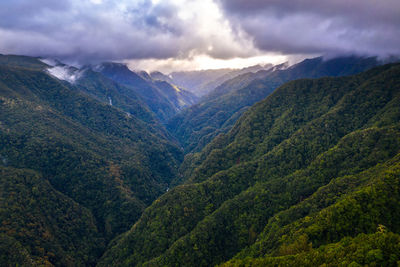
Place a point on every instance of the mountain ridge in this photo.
(224, 209)
(276, 188)
(163, 98)
(110, 163)
(199, 124)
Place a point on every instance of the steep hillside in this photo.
(198, 125)
(163, 98)
(352, 219)
(112, 93)
(315, 162)
(40, 226)
(178, 97)
(112, 164)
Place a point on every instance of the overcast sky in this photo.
(197, 34)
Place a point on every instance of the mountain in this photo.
(166, 84)
(308, 176)
(114, 94)
(163, 98)
(210, 86)
(101, 88)
(76, 170)
(178, 97)
(216, 113)
(196, 81)
(202, 82)
(41, 226)
(157, 75)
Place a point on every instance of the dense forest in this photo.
(313, 167)
(110, 163)
(278, 167)
(162, 97)
(218, 111)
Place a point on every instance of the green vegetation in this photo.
(164, 99)
(22, 61)
(112, 164)
(105, 90)
(317, 157)
(308, 176)
(40, 225)
(379, 249)
(373, 206)
(196, 126)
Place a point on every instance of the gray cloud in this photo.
(80, 29)
(308, 26)
(83, 31)
(96, 30)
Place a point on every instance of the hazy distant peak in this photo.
(281, 66)
(144, 75)
(157, 75)
(112, 65)
(255, 68)
(109, 66)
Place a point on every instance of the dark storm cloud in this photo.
(323, 26)
(96, 30)
(85, 30)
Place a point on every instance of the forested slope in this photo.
(111, 164)
(353, 219)
(313, 163)
(109, 92)
(163, 98)
(217, 112)
(308, 176)
(40, 226)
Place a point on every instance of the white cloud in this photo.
(202, 62)
(65, 73)
(98, 30)
(173, 32)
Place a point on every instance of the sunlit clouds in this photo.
(202, 62)
(197, 34)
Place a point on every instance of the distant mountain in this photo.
(210, 86)
(241, 79)
(217, 112)
(157, 75)
(308, 176)
(196, 81)
(202, 82)
(144, 75)
(178, 97)
(80, 159)
(164, 99)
